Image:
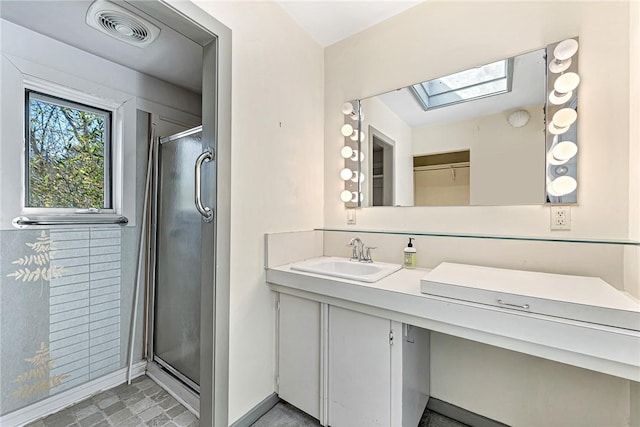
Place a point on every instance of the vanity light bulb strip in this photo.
(350, 174)
(562, 130)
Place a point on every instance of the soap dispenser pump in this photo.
(410, 255)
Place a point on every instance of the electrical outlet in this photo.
(560, 217)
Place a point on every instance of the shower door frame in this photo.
(189, 394)
(216, 133)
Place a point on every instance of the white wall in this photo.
(526, 391)
(377, 113)
(404, 50)
(507, 163)
(632, 254)
(438, 38)
(277, 157)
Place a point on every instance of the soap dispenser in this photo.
(410, 255)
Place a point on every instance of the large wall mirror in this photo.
(475, 137)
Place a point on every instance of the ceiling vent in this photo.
(121, 24)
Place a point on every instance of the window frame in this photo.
(422, 96)
(60, 94)
(30, 95)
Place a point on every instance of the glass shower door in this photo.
(176, 315)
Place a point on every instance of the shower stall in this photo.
(177, 229)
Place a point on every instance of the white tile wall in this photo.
(84, 304)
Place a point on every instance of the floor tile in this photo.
(91, 419)
(116, 407)
(150, 413)
(120, 416)
(184, 419)
(160, 420)
(176, 410)
(129, 406)
(142, 403)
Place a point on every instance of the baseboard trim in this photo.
(461, 415)
(257, 411)
(69, 397)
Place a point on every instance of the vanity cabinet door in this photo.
(299, 353)
(360, 389)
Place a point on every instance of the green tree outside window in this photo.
(67, 154)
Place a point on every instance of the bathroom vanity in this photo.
(338, 337)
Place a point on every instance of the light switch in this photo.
(351, 216)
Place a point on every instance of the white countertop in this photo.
(592, 291)
(611, 350)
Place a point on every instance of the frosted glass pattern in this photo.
(177, 298)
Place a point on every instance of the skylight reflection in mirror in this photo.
(479, 82)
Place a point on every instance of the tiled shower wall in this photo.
(84, 304)
(66, 300)
(60, 311)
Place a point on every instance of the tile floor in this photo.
(286, 415)
(144, 403)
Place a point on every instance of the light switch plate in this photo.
(560, 217)
(351, 216)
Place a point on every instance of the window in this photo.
(68, 154)
(487, 80)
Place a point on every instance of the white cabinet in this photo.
(378, 371)
(360, 369)
(299, 353)
(348, 368)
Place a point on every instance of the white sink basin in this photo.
(346, 269)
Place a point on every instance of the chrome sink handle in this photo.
(367, 254)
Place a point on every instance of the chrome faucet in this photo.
(359, 252)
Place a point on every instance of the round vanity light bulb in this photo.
(557, 66)
(559, 98)
(347, 108)
(565, 117)
(565, 49)
(564, 151)
(346, 152)
(562, 186)
(354, 177)
(552, 191)
(555, 130)
(566, 82)
(354, 137)
(346, 174)
(354, 115)
(553, 161)
(346, 196)
(346, 130)
(354, 196)
(355, 156)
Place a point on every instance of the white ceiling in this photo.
(172, 57)
(331, 21)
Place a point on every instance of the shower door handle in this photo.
(205, 211)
